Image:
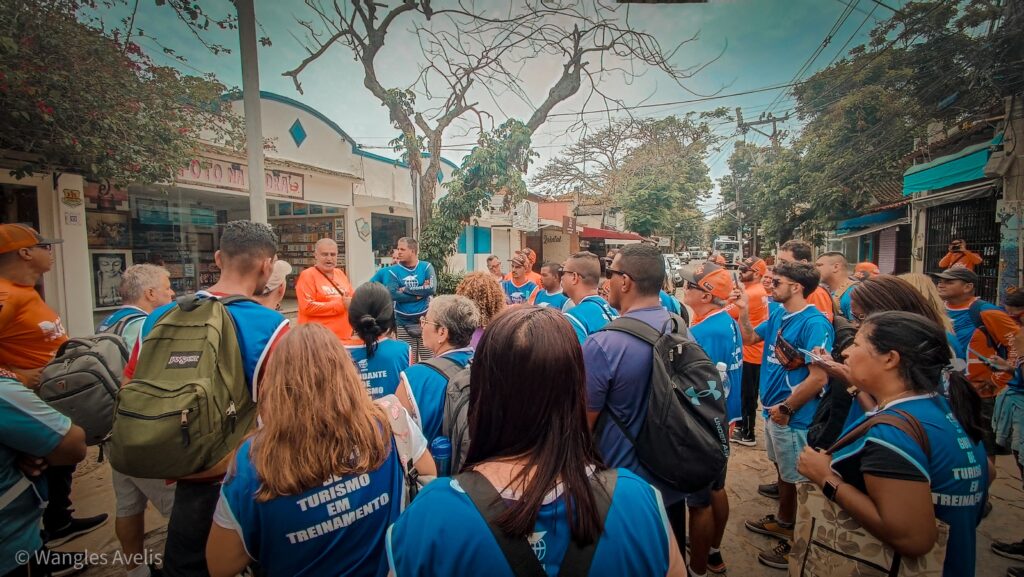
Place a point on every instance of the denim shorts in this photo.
(784, 444)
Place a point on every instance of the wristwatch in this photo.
(830, 488)
(786, 409)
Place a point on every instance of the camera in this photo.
(956, 246)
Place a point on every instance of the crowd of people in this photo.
(350, 460)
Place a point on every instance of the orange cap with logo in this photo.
(711, 278)
(755, 264)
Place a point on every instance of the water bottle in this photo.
(441, 449)
(723, 374)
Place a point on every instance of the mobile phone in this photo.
(812, 356)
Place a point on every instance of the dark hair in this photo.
(833, 253)
(803, 273)
(889, 293)
(553, 266)
(244, 243)
(924, 357)
(410, 242)
(588, 266)
(645, 265)
(528, 397)
(371, 314)
(1014, 298)
(801, 249)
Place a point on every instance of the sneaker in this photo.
(1009, 550)
(67, 564)
(76, 528)
(769, 525)
(777, 558)
(770, 490)
(715, 562)
(743, 438)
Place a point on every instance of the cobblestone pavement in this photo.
(747, 468)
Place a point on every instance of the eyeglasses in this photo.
(48, 247)
(425, 321)
(687, 285)
(562, 271)
(610, 272)
(777, 281)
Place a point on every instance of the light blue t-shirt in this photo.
(336, 528)
(719, 335)
(427, 388)
(589, 315)
(634, 541)
(27, 425)
(670, 303)
(382, 372)
(805, 329)
(557, 301)
(418, 284)
(518, 294)
(957, 471)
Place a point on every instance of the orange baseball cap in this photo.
(755, 264)
(868, 267)
(710, 278)
(530, 255)
(17, 236)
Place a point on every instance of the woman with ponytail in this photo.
(885, 480)
(380, 358)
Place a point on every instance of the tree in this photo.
(469, 54)
(73, 98)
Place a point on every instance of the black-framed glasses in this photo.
(562, 271)
(776, 282)
(610, 272)
(687, 285)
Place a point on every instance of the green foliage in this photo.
(496, 165)
(75, 98)
(448, 281)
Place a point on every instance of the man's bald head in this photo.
(326, 254)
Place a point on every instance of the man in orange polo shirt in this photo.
(751, 270)
(324, 291)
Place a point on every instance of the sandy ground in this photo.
(748, 467)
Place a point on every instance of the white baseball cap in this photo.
(281, 270)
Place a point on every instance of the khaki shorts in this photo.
(132, 494)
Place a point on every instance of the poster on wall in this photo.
(107, 229)
(106, 197)
(108, 267)
(153, 210)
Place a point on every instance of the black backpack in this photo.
(682, 440)
(830, 416)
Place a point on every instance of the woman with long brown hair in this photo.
(533, 471)
(313, 491)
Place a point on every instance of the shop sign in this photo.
(71, 197)
(235, 176)
(569, 225)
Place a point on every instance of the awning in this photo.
(952, 169)
(958, 194)
(866, 220)
(871, 229)
(589, 232)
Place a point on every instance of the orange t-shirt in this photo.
(966, 259)
(31, 332)
(758, 311)
(320, 302)
(823, 302)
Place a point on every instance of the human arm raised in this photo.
(741, 299)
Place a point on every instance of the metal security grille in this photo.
(975, 222)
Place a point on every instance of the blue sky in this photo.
(761, 42)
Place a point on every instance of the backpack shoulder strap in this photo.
(118, 327)
(902, 420)
(577, 560)
(443, 366)
(635, 327)
(518, 552)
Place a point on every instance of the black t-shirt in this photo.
(880, 461)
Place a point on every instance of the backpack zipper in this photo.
(232, 414)
(185, 439)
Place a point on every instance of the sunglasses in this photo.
(610, 272)
(687, 285)
(776, 282)
(562, 271)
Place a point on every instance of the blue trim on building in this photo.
(319, 115)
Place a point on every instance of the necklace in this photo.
(886, 402)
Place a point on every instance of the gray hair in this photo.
(459, 315)
(139, 277)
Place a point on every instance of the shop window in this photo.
(385, 231)
(300, 226)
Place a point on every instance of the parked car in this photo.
(684, 256)
(672, 266)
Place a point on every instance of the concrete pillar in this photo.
(69, 284)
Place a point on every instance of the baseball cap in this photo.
(718, 259)
(281, 270)
(18, 236)
(755, 264)
(518, 260)
(530, 255)
(957, 273)
(711, 278)
(868, 267)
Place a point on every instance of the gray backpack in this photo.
(456, 409)
(83, 379)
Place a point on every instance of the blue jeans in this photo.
(784, 445)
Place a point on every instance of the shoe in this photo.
(1015, 572)
(769, 525)
(715, 563)
(1009, 550)
(743, 438)
(770, 490)
(777, 558)
(65, 564)
(76, 528)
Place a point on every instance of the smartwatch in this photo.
(830, 488)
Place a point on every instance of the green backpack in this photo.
(187, 405)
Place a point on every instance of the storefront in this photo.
(318, 182)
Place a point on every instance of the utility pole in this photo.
(253, 116)
(775, 136)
